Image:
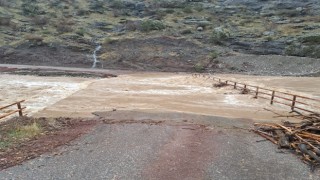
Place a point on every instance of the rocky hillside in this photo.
(175, 35)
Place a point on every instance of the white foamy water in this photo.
(230, 99)
(95, 60)
(38, 92)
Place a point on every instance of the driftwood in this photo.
(303, 137)
(220, 85)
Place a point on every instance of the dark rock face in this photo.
(266, 6)
(259, 48)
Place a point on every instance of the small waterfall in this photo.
(95, 60)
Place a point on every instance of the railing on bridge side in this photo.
(20, 109)
(294, 101)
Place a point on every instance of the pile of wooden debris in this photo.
(303, 138)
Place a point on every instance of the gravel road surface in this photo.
(211, 148)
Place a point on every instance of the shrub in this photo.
(40, 20)
(30, 8)
(186, 31)
(313, 39)
(169, 11)
(160, 14)
(5, 20)
(46, 32)
(108, 40)
(97, 6)
(5, 3)
(199, 67)
(81, 31)
(171, 4)
(288, 13)
(52, 15)
(269, 38)
(294, 49)
(219, 35)
(187, 10)
(64, 25)
(303, 51)
(82, 12)
(54, 3)
(117, 4)
(118, 13)
(61, 28)
(150, 25)
(132, 25)
(213, 54)
(199, 7)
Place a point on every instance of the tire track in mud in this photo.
(185, 156)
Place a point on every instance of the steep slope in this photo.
(166, 35)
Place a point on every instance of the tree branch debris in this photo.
(303, 138)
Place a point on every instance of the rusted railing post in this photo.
(19, 108)
(272, 97)
(257, 92)
(293, 102)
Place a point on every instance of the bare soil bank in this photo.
(165, 54)
(17, 147)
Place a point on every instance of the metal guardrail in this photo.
(20, 109)
(294, 101)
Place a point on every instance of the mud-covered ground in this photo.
(17, 145)
(167, 54)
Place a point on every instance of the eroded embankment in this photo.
(162, 54)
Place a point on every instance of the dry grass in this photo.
(19, 133)
(23, 132)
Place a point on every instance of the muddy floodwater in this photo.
(39, 92)
(147, 92)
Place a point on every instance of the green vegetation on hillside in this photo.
(78, 23)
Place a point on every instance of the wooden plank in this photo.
(293, 102)
(8, 114)
(282, 103)
(273, 95)
(282, 98)
(4, 107)
(19, 107)
(257, 92)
